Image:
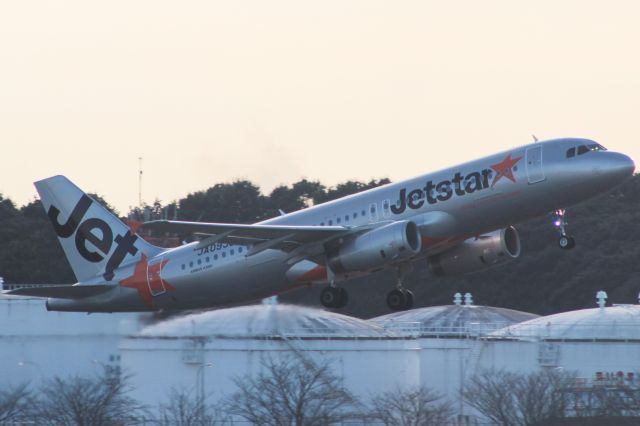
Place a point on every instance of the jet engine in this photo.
(376, 248)
(477, 253)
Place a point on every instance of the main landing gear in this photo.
(401, 299)
(334, 297)
(565, 241)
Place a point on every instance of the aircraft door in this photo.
(154, 277)
(535, 171)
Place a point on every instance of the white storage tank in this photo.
(599, 344)
(449, 338)
(37, 344)
(208, 350)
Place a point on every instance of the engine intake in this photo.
(376, 248)
(478, 253)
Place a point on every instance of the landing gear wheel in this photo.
(329, 296)
(409, 303)
(334, 297)
(397, 299)
(566, 242)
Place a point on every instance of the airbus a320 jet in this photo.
(458, 220)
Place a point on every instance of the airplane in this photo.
(459, 220)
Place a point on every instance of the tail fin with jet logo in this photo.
(95, 241)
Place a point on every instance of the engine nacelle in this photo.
(476, 254)
(376, 248)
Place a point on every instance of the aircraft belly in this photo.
(246, 279)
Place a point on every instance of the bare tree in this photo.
(511, 399)
(83, 401)
(292, 391)
(418, 406)
(184, 409)
(14, 405)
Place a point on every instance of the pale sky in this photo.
(273, 91)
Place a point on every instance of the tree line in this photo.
(544, 280)
(30, 252)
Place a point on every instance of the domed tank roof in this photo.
(457, 319)
(266, 321)
(616, 323)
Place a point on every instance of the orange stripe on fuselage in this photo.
(319, 273)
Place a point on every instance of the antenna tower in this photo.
(140, 182)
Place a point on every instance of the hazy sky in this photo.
(274, 91)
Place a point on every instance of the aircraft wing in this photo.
(284, 237)
(62, 291)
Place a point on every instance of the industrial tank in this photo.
(36, 344)
(451, 339)
(599, 343)
(204, 352)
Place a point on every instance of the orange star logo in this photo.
(146, 279)
(504, 169)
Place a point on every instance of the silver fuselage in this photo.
(474, 198)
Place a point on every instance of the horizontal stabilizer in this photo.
(62, 291)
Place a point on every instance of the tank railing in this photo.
(538, 332)
(326, 333)
(333, 333)
(418, 329)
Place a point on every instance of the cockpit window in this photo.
(596, 147)
(571, 152)
(582, 150)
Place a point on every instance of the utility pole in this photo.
(140, 182)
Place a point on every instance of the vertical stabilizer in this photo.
(95, 241)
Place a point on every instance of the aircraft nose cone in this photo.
(619, 166)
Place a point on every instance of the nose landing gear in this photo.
(565, 241)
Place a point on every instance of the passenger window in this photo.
(582, 150)
(346, 217)
(239, 249)
(190, 264)
(364, 213)
(199, 261)
(355, 215)
(330, 222)
(338, 220)
(208, 259)
(184, 266)
(215, 257)
(321, 223)
(232, 252)
(571, 152)
(386, 212)
(224, 254)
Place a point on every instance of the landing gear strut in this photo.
(401, 299)
(565, 241)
